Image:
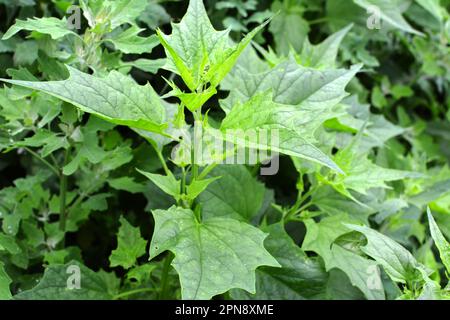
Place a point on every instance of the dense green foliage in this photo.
(104, 196)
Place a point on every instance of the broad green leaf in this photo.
(434, 7)
(126, 184)
(323, 55)
(5, 281)
(440, 241)
(333, 203)
(148, 65)
(338, 16)
(49, 141)
(235, 195)
(169, 184)
(54, 27)
(8, 243)
(141, 273)
(130, 246)
(217, 71)
(63, 255)
(431, 290)
(112, 12)
(362, 272)
(340, 288)
(390, 11)
(361, 174)
(54, 284)
(211, 257)
(124, 11)
(7, 45)
(298, 278)
(377, 130)
(116, 98)
(398, 262)
(196, 187)
(128, 41)
(199, 52)
(288, 26)
(193, 101)
(431, 194)
(154, 15)
(288, 123)
(320, 236)
(313, 92)
(26, 53)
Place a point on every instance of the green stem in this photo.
(183, 180)
(83, 195)
(62, 195)
(165, 277)
(171, 77)
(162, 160)
(131, 292)
(320, 20)
(48, 164)
(298, 204)
(206, 171)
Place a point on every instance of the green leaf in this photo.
(320, 236)
(154, 15)
(398, 262)
(54, 284)
(141, 273)
(323, 55)
(313, 92)
(333, 203)
(9, 244)
(340, 287)
(126, 184)
(26, 53)
(294, 134)
(50, 142)
(168, 184)
(434, 7)
(116, 98)
(211, 257)
(235, 195)
(288, 26)
(363, 273)
(361, 174)
(431, 194)
(124, 11)
(199, 52)
(440, 241)
(5, 281)
(298, 278)
(54, 27)
(193, 101)
(128, 41)
(148, 65)
(196, 187)
(130, 246)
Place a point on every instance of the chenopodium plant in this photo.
(109, 26)
(214, 251)
(73, 156)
